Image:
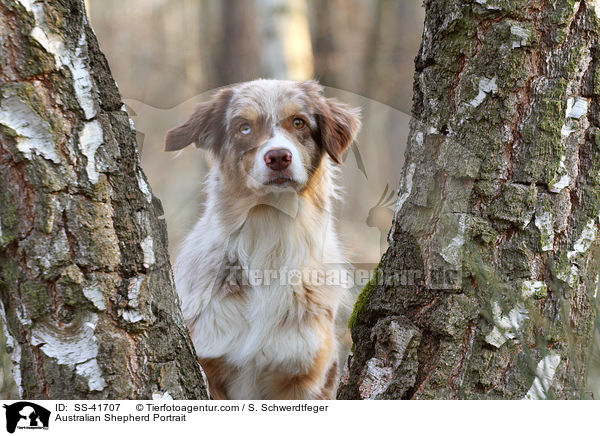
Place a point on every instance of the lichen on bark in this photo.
(501, 217)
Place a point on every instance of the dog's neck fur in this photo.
(278, 220)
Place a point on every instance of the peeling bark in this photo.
(494, 255)
(86, 288)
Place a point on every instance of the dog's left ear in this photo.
(337, 122)
(205, 127)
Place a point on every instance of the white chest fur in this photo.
(261, 322)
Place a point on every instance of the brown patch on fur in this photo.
(238, 294)
(314, 300)
(317, 302)
(290, 108)
(314, 191)
(312, 383)
(301, 134)
(250, 113)
(205, 127)
(330, 385)
(261, 131)
(337, 123)
(217, 372)
(248, 161)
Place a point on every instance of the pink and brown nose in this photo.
(278, 159)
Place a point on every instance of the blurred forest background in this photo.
(167, 55)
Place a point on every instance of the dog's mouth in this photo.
(280, 179)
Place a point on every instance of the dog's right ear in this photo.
(206, 126)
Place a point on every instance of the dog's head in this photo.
(269, 134)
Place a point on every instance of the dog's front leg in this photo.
(218, 372)
(318, 381)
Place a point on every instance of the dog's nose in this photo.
(278, 159)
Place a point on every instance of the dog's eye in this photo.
(299, 123)
(245, 129)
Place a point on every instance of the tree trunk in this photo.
(238, 52)
(488, 288)
(285, 44)
(339, 31)
(85, 281)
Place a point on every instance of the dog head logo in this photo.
(24, 414)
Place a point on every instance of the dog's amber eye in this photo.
(245, 129)
(299, 123)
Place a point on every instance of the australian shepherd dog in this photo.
(261, 275)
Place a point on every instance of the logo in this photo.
(26, 415)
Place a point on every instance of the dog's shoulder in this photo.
(197, 266)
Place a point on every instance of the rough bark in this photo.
(488, 288)
(85, 280)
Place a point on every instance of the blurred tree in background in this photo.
(163, 52)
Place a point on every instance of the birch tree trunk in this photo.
(85, 282)
(488, 288)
